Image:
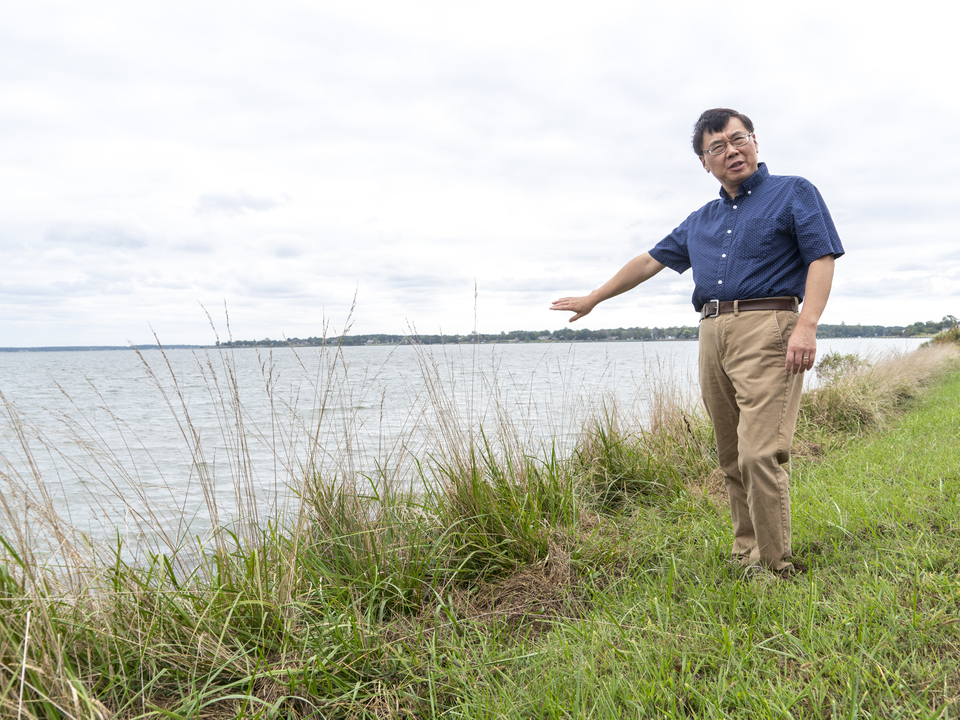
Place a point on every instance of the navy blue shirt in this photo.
(756, 245)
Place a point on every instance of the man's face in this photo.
(733, 165)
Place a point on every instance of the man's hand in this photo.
(579, 305)
(640, 269)
(802, 349)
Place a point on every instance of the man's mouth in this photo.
(737, 166)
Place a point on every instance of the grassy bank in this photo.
(522, 583)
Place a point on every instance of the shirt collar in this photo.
(750, 184)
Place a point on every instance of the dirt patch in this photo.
(533, 598)
(715, 485)
(807, 449)
(530, 599)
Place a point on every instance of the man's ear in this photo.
(703, 161)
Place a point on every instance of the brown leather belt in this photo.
(716, 307)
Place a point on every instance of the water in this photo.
(144, 446)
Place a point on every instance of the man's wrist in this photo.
(595, 297)
(807, 321)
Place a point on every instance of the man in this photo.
(767, 244)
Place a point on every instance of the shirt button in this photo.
(749, 191)
(719, 282)
(729, 231)
(724, 255)
(734, 207)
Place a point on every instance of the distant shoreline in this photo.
(452, 341)
(330, 343)
(634, 334)
(82, 348)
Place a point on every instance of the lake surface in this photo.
(147, 447)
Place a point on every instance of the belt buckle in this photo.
(705, 310)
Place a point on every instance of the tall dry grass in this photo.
(864, 394)
(339, 608)
(183, 623)
(647, 451)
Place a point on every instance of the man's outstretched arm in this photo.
(640, 269)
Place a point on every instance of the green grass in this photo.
(529, 584)
(871, 629)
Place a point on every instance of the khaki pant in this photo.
(753, 404)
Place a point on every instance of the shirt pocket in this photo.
(757, 238)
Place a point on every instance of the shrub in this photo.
(835, 366)
(860, 395)
(950, 336)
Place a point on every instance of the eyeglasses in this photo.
(736, 141)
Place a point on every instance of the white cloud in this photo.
(234, 204)
(87, 237)
(282, 158)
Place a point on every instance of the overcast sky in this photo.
(449, 165)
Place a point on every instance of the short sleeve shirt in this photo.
(756, 245)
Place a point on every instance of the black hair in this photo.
(715, 121)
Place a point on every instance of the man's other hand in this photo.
(802, 349)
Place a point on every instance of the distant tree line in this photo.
(567, 334)
(684, 332)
